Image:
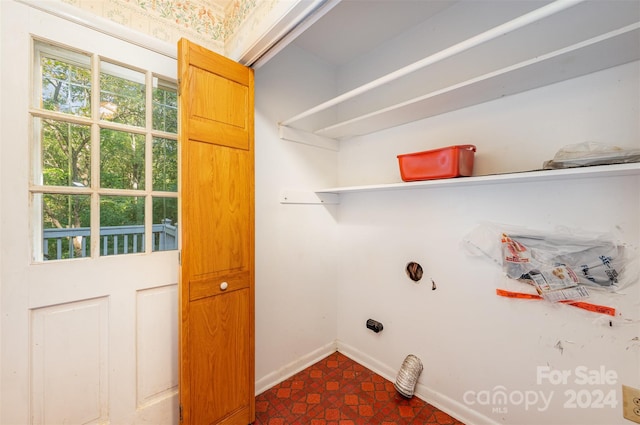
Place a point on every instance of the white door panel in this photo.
(85, 340)
(69, 362)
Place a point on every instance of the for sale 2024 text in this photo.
(592, 398)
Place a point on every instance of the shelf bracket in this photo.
(306, 138)
(302, 197)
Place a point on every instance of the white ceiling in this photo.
(357, 26)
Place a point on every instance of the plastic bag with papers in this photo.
(560, 266)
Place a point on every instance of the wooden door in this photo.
(217, 253)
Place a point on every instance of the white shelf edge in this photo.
(519, 177)
(497, 31)
(335, 131)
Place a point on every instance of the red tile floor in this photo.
(339, 391)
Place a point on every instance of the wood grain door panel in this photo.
(209, 286)
(222, 114)
(220, 375)
(217, 240)
(220, 213)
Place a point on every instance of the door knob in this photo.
(223, 286)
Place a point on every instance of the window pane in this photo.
(66, 86)
(63, 154)
(65, 224)
(165, 224)
(122, 95)
(165, 165)
(66, 153)
(121, 160)
(165, 106)
(121, 225)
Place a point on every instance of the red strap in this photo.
(580, 304)
(522, 295)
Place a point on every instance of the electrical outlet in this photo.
(631, 403)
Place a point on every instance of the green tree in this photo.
(66, 146)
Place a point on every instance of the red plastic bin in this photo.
(443, 163)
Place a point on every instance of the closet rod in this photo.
(507, 27)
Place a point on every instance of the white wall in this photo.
(468, 338)
(513, 134)
(296, 251)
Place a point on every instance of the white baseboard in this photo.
(448, 405)
(367, 361)
(287, 371)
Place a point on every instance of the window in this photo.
(104, 166)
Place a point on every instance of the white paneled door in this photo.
(89, 340)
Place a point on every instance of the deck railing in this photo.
(74, 242)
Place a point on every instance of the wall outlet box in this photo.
(631, 403)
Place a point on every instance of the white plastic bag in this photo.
(558, 261)
(591, 153)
